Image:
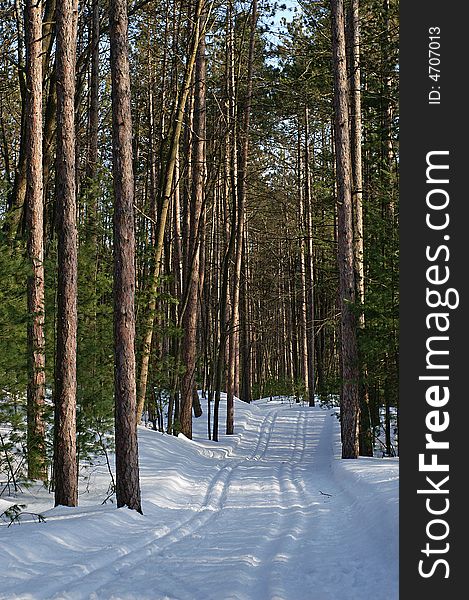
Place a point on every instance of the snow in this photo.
(271, 512)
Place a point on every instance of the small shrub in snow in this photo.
(14, 513)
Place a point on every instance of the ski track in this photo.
(281, 506)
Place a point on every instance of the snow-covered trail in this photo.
(270, 513)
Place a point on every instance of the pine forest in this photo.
(198, 215)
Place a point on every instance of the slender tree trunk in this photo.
(356, 149)
(65, 460)
(387, 416)
(127, 470)
(366, 437)
(309, 267)
(191, 309)
(34, 224)
(5, 148)
(303, 244)
(349, 398)
(246, 324)
(240, 208)
(48, 33)
(387, 116)
(92, 162)
(49, 79)
(230, 189)
(223, 289)
(16, 197)
(50, 119)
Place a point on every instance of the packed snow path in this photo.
(270, 513)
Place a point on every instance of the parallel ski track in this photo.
(85, 585)
(291, 516)
(310, 502)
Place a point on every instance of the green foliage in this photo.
(278, 387)
(13, 360)
(298, 389)
(95, 359)
(14, 513)
(13, 318)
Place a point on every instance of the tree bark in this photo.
(366, 436)
(349, 398)
(65, 462)
(246, 325)
(356, 150)
(127, 469)
(304, 296)
(309, 268)
(16, 197)
(34, 225)
(93, 120)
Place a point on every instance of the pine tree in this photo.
(349, 398)
(65, 463)
(127, 470)
(34, 226)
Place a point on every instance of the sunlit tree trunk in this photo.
(34, 227)
(303, 294)
(65, 461)
(127, 469)
(353, 30)
(309, 266)
(349, 398)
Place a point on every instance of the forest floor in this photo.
(269, 513)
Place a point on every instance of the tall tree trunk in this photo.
(34, 225)
(230, 181)
(304, 294)
(349, 398)
(356, 151)
(245, 325)
(92, 159)
(48, 33)
(127, 470)
(386, 97)
(65, 461)
(309, 267)
(240, 209)
(16, 197)
(50, 119)
(191, 308)
(230, 186)
(49, 77)
(353, 30)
